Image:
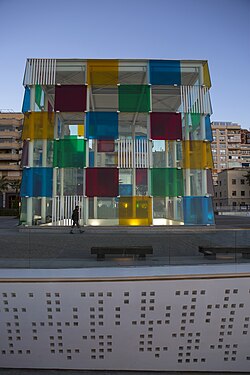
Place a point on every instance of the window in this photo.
(242, 193)
(242, 181)
(234, 193)
(233, 181)
(234, 204)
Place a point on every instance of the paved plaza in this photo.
(55, 247)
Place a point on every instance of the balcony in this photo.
(10, 157)
(9, 145)
(9, 167)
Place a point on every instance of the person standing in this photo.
(75, 219)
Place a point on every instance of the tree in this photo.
(4, 185)
(247, 176)
(15, 185)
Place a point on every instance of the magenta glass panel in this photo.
(102, 182)
(165, 125)
(70, 98)
(105, 146)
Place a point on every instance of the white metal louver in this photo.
(40, 72)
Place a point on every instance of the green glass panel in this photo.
(134, 98)
(195, 118)
(69, 153)
(38, 95)
(166, 182)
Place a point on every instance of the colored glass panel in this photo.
(195, 120)
(37, 182)
(102, 72)
(135, 211)
(105, 146)
(141, 176)
(197, 155)
(125, 190)
(198, 211)
(166, 182)
(69, 153)
(165, 126)
(70, 98)
(38, 125)
(102, 125)
(165, 72)
(26, 100)
(80, 132)
(134, 98)
(38, 95)
(206, 76)
(209, 134)
(102, 182)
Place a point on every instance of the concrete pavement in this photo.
(55, 247)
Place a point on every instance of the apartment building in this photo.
(232, 191)
(226, 146)
(10, 153)
(230, 147)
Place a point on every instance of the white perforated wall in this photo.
(191, 325)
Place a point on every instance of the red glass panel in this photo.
(70, 98)
(166, 125)
(102, 182)
(105, 146)
(141, 176)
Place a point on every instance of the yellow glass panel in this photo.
(135, 211)
(102, 72)
(38, 125)
(206, 75)
(197, 155)
(80, 131)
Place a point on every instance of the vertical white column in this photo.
(44, 164)
(187, 170)
(55, 171)
(30, 157)
(203, 137)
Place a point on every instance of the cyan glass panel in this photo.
(209, 135)
(125, 190)
(102, 125)
(198, 211)
(26, 100)
(37, 182)
(165, 72)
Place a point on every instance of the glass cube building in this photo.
(126, 140)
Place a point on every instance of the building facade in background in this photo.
(126, 140)
(230, 147)
(10, 155)
(232, 191)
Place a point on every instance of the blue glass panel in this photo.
(209, 135)
(37, 182)
(125, 190)
(26, 100)
(198, 211)
(165, 72)
(102, 125)
(91, 158)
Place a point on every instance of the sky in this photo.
(213, 30)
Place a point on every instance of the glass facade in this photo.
(126, 140)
